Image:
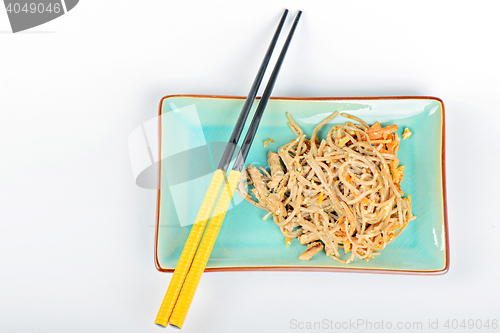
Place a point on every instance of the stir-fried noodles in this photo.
(342, 192)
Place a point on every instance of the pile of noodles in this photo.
(341, 193)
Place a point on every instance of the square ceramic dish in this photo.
(246, 242)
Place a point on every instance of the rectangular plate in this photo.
(246, 242)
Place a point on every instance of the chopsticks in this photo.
(203, 253)
(210, 198)
(183, 285)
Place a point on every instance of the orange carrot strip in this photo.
(380, 133)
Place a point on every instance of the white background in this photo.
(76, 233)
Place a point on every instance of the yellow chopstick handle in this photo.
(190, 247)
(207, 243)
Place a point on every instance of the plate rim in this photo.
(305, 268)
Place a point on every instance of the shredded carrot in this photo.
(391, 147)
(320, 200)
(365, 201)
(288, 241)
(376, 126)
(375, 132)
(398, 187)
(349, 180)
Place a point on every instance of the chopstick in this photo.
(207, 243)
(210, 198)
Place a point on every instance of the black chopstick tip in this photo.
(285, 14)
(296, 20)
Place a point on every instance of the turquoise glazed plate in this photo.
(245, 241)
